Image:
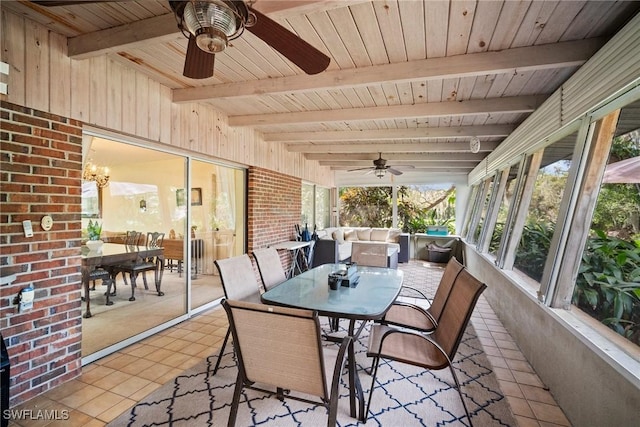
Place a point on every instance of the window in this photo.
(323, 208)
(608, 281)
(544, 201)
(508, 196)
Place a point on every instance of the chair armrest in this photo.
(341, 359)
(415, 326)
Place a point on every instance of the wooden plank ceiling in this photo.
(411, 79)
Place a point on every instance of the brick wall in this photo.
(41, 157)
(40, 174)
(274, 207)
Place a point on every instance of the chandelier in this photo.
(99, 174)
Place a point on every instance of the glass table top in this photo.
(369, 299)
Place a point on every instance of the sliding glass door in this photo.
(217, 225)
(127, 187)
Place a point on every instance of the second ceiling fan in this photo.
(380, 168)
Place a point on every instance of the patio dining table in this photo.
(369, 299)
(115, 253)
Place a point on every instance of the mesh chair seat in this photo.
(434, 351)
(282, 347)
(415, 317)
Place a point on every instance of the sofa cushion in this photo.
(338, 235)
(379, 234)
(394, 235)
(350, 235)
(344, 251)
(364, 234)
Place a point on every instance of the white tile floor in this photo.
(110, 386)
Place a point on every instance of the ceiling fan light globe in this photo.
(380, 173)
(211, 40)
(213, 23)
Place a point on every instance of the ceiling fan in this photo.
(380, 168)
(210, 24)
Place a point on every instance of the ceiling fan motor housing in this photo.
(213, 22)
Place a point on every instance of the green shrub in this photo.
(608, 283)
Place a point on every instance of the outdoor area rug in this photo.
(404, 396)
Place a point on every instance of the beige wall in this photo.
(590, 390)
(105, 94)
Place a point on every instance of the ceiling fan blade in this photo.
(394, 171)
(198, 64)
(360, 169)
(298, 51)
(400, 167)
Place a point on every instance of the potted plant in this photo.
(94, 229)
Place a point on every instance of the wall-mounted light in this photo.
(143, 205)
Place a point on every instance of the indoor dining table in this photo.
(113, 254)
(375, 291)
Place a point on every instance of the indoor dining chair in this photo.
(282, 347)
(413, 316)
(142, 264)
(430, 351)
(238, 283)
(270, 267)
(131, 238)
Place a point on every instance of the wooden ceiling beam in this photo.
(428, 147)
(365, 158)
(516, 104)
(495, 131)
(556, 55)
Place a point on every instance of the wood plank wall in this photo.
(104, 93)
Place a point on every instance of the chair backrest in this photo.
(270, 267)
(132, 238)
(238, 277)
(155, 239)
(449, 276)
(370, 254)
(278, 346)
(457, 311)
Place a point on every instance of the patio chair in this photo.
(282, 347)
(270, 267)
(369, 254)
(238, 283)
(437, 350)
(413, 316)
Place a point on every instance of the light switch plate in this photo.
(28, 229)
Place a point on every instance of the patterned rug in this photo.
(403, 396)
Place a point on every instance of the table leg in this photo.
(354, 380)
(87, 297)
